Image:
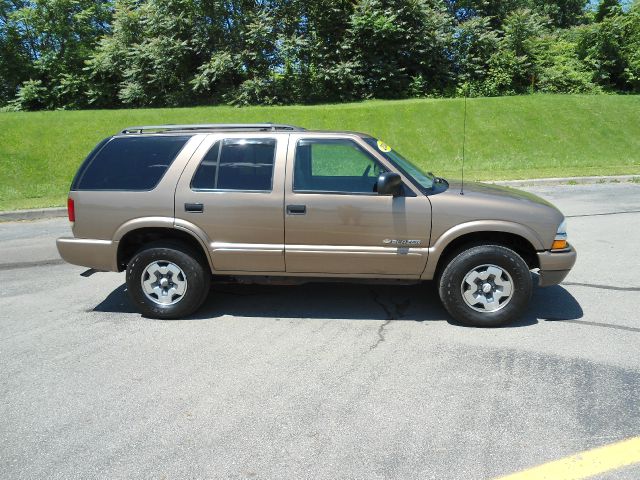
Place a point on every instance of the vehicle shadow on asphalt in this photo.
(348, 301)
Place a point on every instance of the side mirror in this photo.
(389, 183)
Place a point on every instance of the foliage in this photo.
(393, 42)
(558, 68)
(75, 54)
(610, 49)
(607, 8)
(47, 41)
(31, 96)
(631, 47)
(474, 43)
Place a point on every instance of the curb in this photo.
(40, 213)
(537, 182)
(35, 214)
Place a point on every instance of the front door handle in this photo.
(296, 209)
(194, 207)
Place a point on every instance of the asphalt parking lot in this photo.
(321, 380)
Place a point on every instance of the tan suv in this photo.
(174, 204)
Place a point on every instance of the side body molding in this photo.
(478, 226)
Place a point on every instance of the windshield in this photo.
(420, 177)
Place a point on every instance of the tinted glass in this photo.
(87, 161)
(205, 176)
(425, 180)
(130, 163)
(237, 164)
(334, 166)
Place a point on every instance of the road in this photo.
(318, 381)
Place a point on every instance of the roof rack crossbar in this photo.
(265, 127)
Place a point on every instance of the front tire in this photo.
(486, 286)
(167, 281)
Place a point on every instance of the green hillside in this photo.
(507, 137)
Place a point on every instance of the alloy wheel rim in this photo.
(164, 282)
(487, 288)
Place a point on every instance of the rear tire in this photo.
(167, 281)
(486, 286)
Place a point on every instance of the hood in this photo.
(478, 189)
(482, 202)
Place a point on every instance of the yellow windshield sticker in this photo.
(383, 146)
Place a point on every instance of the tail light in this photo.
(71, 210)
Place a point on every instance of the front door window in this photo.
(334, 165)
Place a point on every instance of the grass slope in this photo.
(507, 137)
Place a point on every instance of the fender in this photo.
(142, 222)
(169, 223)
(477, 226)
(198, 234)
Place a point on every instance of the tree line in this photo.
(72, 54)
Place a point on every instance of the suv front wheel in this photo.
(486, 286)
(167, 281)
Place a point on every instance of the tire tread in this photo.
(451, 277)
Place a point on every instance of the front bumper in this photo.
(98, 254)
(555, 266)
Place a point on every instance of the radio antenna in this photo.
(464, 140)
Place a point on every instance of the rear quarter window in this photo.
(128, 163)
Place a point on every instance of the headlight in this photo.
(560, 240)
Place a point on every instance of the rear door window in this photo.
(237, 164)
(129, 163)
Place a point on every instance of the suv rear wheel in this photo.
(486, 286)
(167, 281)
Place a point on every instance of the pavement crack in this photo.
(381, 335)
(597, 324)
(603, 287)
(381, 304)
(394, 312)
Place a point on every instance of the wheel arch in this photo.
(133, 239)
(519, 238)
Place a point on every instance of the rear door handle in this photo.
(193, 207)
(296, 209)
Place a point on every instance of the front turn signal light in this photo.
(560, 240)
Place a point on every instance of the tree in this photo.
(557, 66)
(153, 52)
(15, 58)
(50, 40)
(631, 47)
(562, 13)
(327, 69)
(393, 42)
(474, 44)
(521, 28)
(607, 8)
(601, 48)
(109, 53)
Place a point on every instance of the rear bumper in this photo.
(98, 254)
(555, 266)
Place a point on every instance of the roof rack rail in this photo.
(261, 127)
